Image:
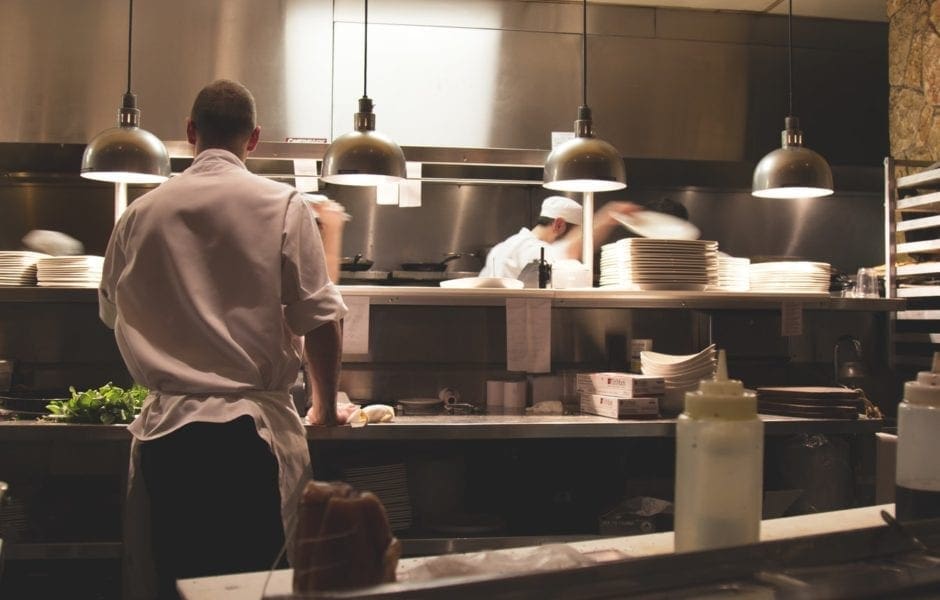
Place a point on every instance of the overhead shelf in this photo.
(927, 178)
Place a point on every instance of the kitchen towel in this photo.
(529, 335)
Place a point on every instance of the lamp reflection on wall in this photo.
(793, 170)
(584, 163)
(364, 156)
(126, 153)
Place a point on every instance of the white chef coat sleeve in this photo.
(309, 297)
(114, 262)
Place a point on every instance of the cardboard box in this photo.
(624, 385)
(619, 408)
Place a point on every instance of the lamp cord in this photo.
(790, 57)
(130, 39)
(365, 48)
(584, 54)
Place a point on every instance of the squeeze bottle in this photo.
(917, 475)
(719, 465)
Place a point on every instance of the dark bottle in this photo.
(545, 271)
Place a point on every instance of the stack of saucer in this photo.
(390, 484)
(799, 277)
(19, 267)
(734, 274)
(659, 264)
(70, 271)
(681, 373)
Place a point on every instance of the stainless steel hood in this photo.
(664, 83)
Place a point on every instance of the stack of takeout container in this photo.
(620, 395)
(795, 276)
(19, 267)
(680, 373)
(70, 271)
(659, 264)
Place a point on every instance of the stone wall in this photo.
(914, 77)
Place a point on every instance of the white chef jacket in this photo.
(209, 281)
(509, 257)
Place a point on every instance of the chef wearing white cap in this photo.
(557, 231)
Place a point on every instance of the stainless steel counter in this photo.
(445, 428)
(489, 427)
(572, 298)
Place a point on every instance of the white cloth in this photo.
(509, 257)
(209, 281)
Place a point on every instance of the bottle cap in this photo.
(926, 389)
(721, 398)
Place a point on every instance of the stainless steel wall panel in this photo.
(67, 64)
(663, 83)
(452, 218)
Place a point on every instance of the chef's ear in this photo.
(559, 226)
(190, 131)
(253, 139)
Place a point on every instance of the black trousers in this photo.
(215, 504)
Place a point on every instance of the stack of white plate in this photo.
(19, 267)
(790, 276)
(70, 271)
(734, 274)
(682, 373)
(390, 484)
(659, 264)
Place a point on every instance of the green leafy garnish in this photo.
(107, 404)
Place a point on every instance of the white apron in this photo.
(278, 424)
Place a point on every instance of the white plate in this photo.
(483, 282)
(684, 287)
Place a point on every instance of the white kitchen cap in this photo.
(559, 206)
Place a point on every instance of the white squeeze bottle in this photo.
(917, 493)
(719, 465)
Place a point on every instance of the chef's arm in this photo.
(331, 220)
(323, 351)
(604, 226)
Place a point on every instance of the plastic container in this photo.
(719, 466)
(917, 489)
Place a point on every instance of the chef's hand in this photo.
(605, 216)
(331, 216)
(343, 411)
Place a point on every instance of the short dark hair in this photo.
(223, 114)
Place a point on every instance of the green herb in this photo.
(107, 404)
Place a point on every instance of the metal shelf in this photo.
(928, 178)
(384, 295)
(916, 193)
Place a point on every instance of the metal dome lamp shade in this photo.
(584, 163)
(792, 171)
(363, 157)
(126, 153)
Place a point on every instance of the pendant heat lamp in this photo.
(126, 153)
(584, 163)
(363, 157)
(793, 170)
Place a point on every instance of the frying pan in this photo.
(357, 263)
(430, 266)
